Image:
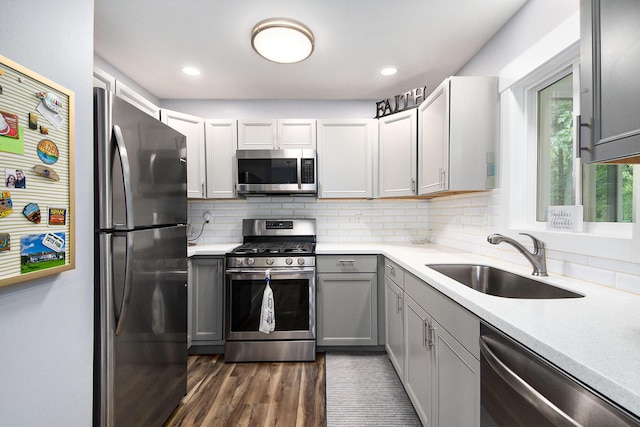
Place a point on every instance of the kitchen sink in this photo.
(500, 283)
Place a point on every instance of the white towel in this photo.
(267, 312)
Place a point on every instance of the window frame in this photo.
(519, 128)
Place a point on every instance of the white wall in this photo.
(532, 22)
(46, 326)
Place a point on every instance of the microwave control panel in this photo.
(308, 171)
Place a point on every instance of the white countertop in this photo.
(595, 339)
(217, 249)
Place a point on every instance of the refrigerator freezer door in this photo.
(143, 366)
(141, 167)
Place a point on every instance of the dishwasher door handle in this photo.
(524, 389)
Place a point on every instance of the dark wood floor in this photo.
(252, 394)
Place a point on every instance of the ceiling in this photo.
(150, 41)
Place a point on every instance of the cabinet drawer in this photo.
(459, 322)
(394, 272)
(347, 263)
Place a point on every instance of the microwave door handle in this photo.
(299, 172)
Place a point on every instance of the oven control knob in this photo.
(239, 262)
(269, 261)
(251, 261)
(289, 261)
(300, 261)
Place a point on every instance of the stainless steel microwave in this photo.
(276, 172)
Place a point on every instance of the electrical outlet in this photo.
(207, 217)
(358, 219)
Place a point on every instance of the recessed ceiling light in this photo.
(388, 71)
(282, 40)
(191, 71)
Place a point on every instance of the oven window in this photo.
(291, 298)
(268, 171)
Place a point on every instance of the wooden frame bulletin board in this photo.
(36, 166)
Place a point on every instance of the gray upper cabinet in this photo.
(193, 129)
(346, 157)
(397, 151)
(134, 98)
(104, 80)
(610, 87)
(220, 141)
(457, 136)
(267, 134)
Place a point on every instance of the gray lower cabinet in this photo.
(347, 301)
(394, 324)
(457, 381)
(206, 284)
(442, 377)
(433, 344)
(419, 370)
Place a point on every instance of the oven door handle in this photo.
(272, 272)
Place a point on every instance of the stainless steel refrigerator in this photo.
(140, 351)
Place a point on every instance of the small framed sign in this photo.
(565, 218)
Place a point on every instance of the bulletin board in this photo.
(36, 166)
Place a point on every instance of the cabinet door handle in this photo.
(579, 147)
(413, 185)
(347, 260)
(398, 303)
(430, 334)
(425, 334)
(442, 177)
(391, 268)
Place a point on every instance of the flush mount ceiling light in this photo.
(282, 40)
(388, 71)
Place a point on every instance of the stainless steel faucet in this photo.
(538, 258)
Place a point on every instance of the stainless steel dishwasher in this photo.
(518, 388)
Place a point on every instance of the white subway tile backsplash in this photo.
(629, 283)
(460, 222)
(379, 220)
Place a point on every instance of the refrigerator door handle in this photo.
(126, 293)
(126, 175)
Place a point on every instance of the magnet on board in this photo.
(44, 130)
(33, 121)
(47, 151)
(5, 242)
(51, 101)
(32, 212)
(46, 172)
(6, 205)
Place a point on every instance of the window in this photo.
(555, 146)
(538, 163)
(605, 191)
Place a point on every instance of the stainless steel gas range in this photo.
(282, 254)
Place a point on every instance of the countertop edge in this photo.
(521, 323)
